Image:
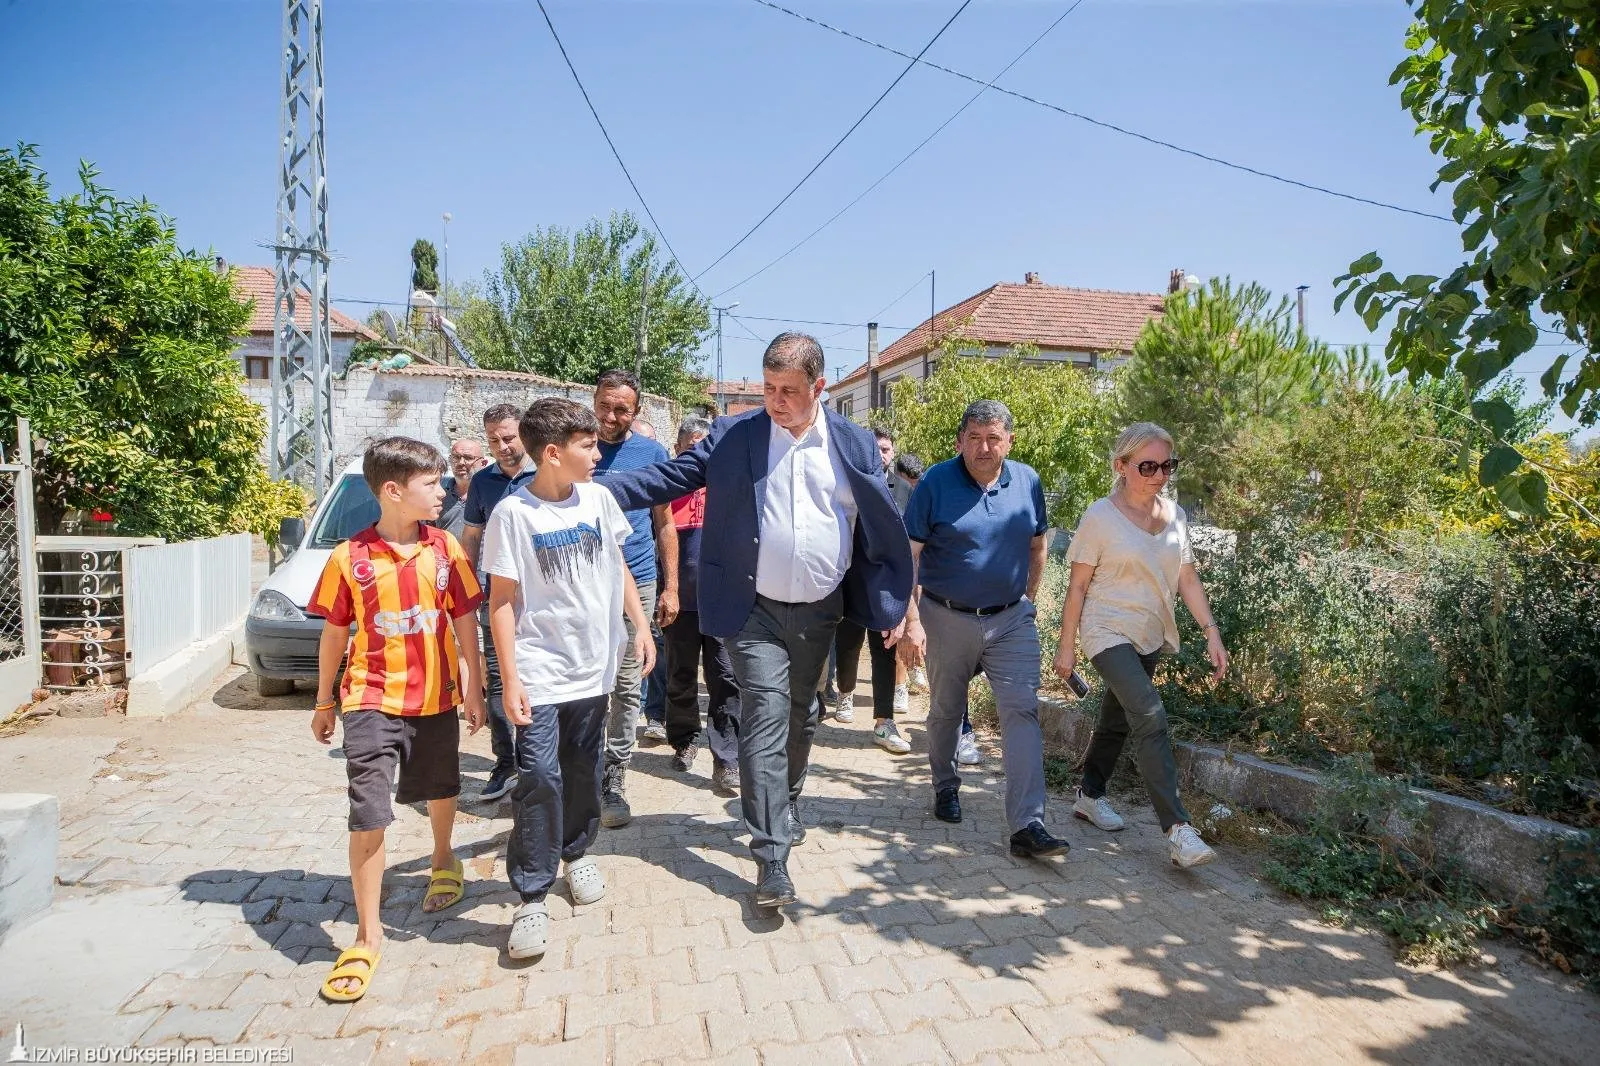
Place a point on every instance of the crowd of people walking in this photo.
(535, 588)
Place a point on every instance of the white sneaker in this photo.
(844, 708)
(529, 926)
(887, 734)
(917, 680)
(902, 698)
(1186, 847)
(967, 753)
(655, 733)
(1098, 812)
(586, 882)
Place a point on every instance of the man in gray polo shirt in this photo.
(977, 524)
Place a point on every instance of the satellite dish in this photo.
(389, 328)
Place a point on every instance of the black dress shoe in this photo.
(797, 828)
(947, 805)
(1035, 842)
(774, 889)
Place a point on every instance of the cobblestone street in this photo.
(204, 891)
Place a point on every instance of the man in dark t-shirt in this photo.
(489, 486)
(616, 405)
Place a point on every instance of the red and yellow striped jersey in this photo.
(402, 658)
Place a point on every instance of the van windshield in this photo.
(351, 508)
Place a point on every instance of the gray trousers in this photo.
(1006, 646)
(622, 721)
(778, 659)
(1131, 709)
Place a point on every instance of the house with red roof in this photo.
(259, 285)
(1088, 328)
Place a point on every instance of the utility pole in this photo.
(301, 412)
(444, 288)
(1300, 301)
(721, 400)
(933, 313)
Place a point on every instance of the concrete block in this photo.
(30, 841)
(180, 679)
(1502, 852)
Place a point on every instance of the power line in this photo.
(907, 157)
(1113, 127)
(874, 316)
(613, 146)
(820, 322)
(740, 323)
(826, 155)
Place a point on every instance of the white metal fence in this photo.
(176, 594)
(19, 623)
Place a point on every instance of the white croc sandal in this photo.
(587, 883)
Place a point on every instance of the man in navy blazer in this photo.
(800, 531)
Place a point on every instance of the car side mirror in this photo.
(291, 533)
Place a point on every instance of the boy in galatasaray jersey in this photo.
(411, 594)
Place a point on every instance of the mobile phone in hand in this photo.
(1079, 687)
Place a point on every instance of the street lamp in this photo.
(721, 400)
(444, 290)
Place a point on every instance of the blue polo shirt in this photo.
(976, 541)
(632, 453)
(488, 487)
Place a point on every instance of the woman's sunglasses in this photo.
(1149, 467)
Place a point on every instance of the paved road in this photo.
(205, 891)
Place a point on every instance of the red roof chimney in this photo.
(1031, 278)
(1175, 280)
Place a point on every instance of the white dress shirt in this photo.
(808, 517)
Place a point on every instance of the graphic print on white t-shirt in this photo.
(566, 558)
(560, 552)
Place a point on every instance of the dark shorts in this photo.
(426, 748)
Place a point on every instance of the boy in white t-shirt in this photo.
(557, 596)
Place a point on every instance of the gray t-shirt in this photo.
(453, 512)
(1135, 584)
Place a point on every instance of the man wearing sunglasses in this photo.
(977, 524)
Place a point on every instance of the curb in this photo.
(1502, 852)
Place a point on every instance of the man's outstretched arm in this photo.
(661, 483)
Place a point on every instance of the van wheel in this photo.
(273, 686)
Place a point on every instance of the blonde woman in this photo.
(1130, 558)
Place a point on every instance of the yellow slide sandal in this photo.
(450, 884)
(355, 963)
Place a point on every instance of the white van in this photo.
(280, 638)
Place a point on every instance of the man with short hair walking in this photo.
(616, 406)
(977, 524)
(799, 532)
(510, 471)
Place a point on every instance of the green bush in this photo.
(1565, 926)
(1464, 664)
(1350, 860)
(264, 505)
(1062, 418)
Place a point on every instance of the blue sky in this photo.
(718, 107)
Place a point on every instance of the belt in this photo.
(964, 609)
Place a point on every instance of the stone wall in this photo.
(441, 404)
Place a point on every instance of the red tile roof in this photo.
(1049, 316)
(260, 284)
(745, 387)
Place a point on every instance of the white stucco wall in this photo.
(441, 407)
